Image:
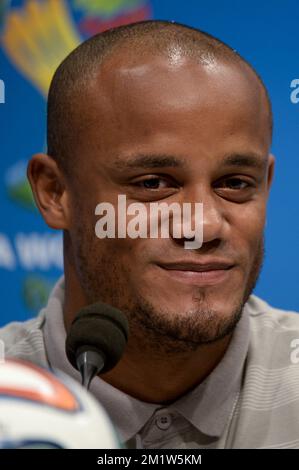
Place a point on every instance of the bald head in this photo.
(67, 116)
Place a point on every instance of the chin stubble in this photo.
(172, 333)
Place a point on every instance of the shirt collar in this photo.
(207, 407)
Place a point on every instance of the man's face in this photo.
(164, 130)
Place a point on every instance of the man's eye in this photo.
(152, 183)
(235, 183)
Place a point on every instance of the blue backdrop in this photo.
(37, 34)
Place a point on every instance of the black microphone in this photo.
(96, 340)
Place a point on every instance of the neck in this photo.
(164, 380)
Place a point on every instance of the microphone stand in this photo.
(89, 363)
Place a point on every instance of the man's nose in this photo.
(213, 221)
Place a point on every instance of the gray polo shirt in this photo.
(250, 400)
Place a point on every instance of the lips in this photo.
(198, 274)
(198, 267)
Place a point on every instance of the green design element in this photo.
(18, 187)
(21, 194)
(105, 8)
(35, 292)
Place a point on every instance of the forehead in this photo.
(137, 100)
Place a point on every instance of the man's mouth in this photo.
(200, 274)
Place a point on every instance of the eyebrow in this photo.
(246, 160)
(151, 161)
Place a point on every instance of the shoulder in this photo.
(268, 404)
(24, 340)
(259, 309)
(273, 334)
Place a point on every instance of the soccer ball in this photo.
(39, 409)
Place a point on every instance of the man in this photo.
(158, 111)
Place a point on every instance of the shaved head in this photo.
(67, 117)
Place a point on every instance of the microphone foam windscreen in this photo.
(98, 327)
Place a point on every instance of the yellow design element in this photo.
(105, 7)
(38, 37)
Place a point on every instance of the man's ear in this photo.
(49, 190)
(271, 166)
